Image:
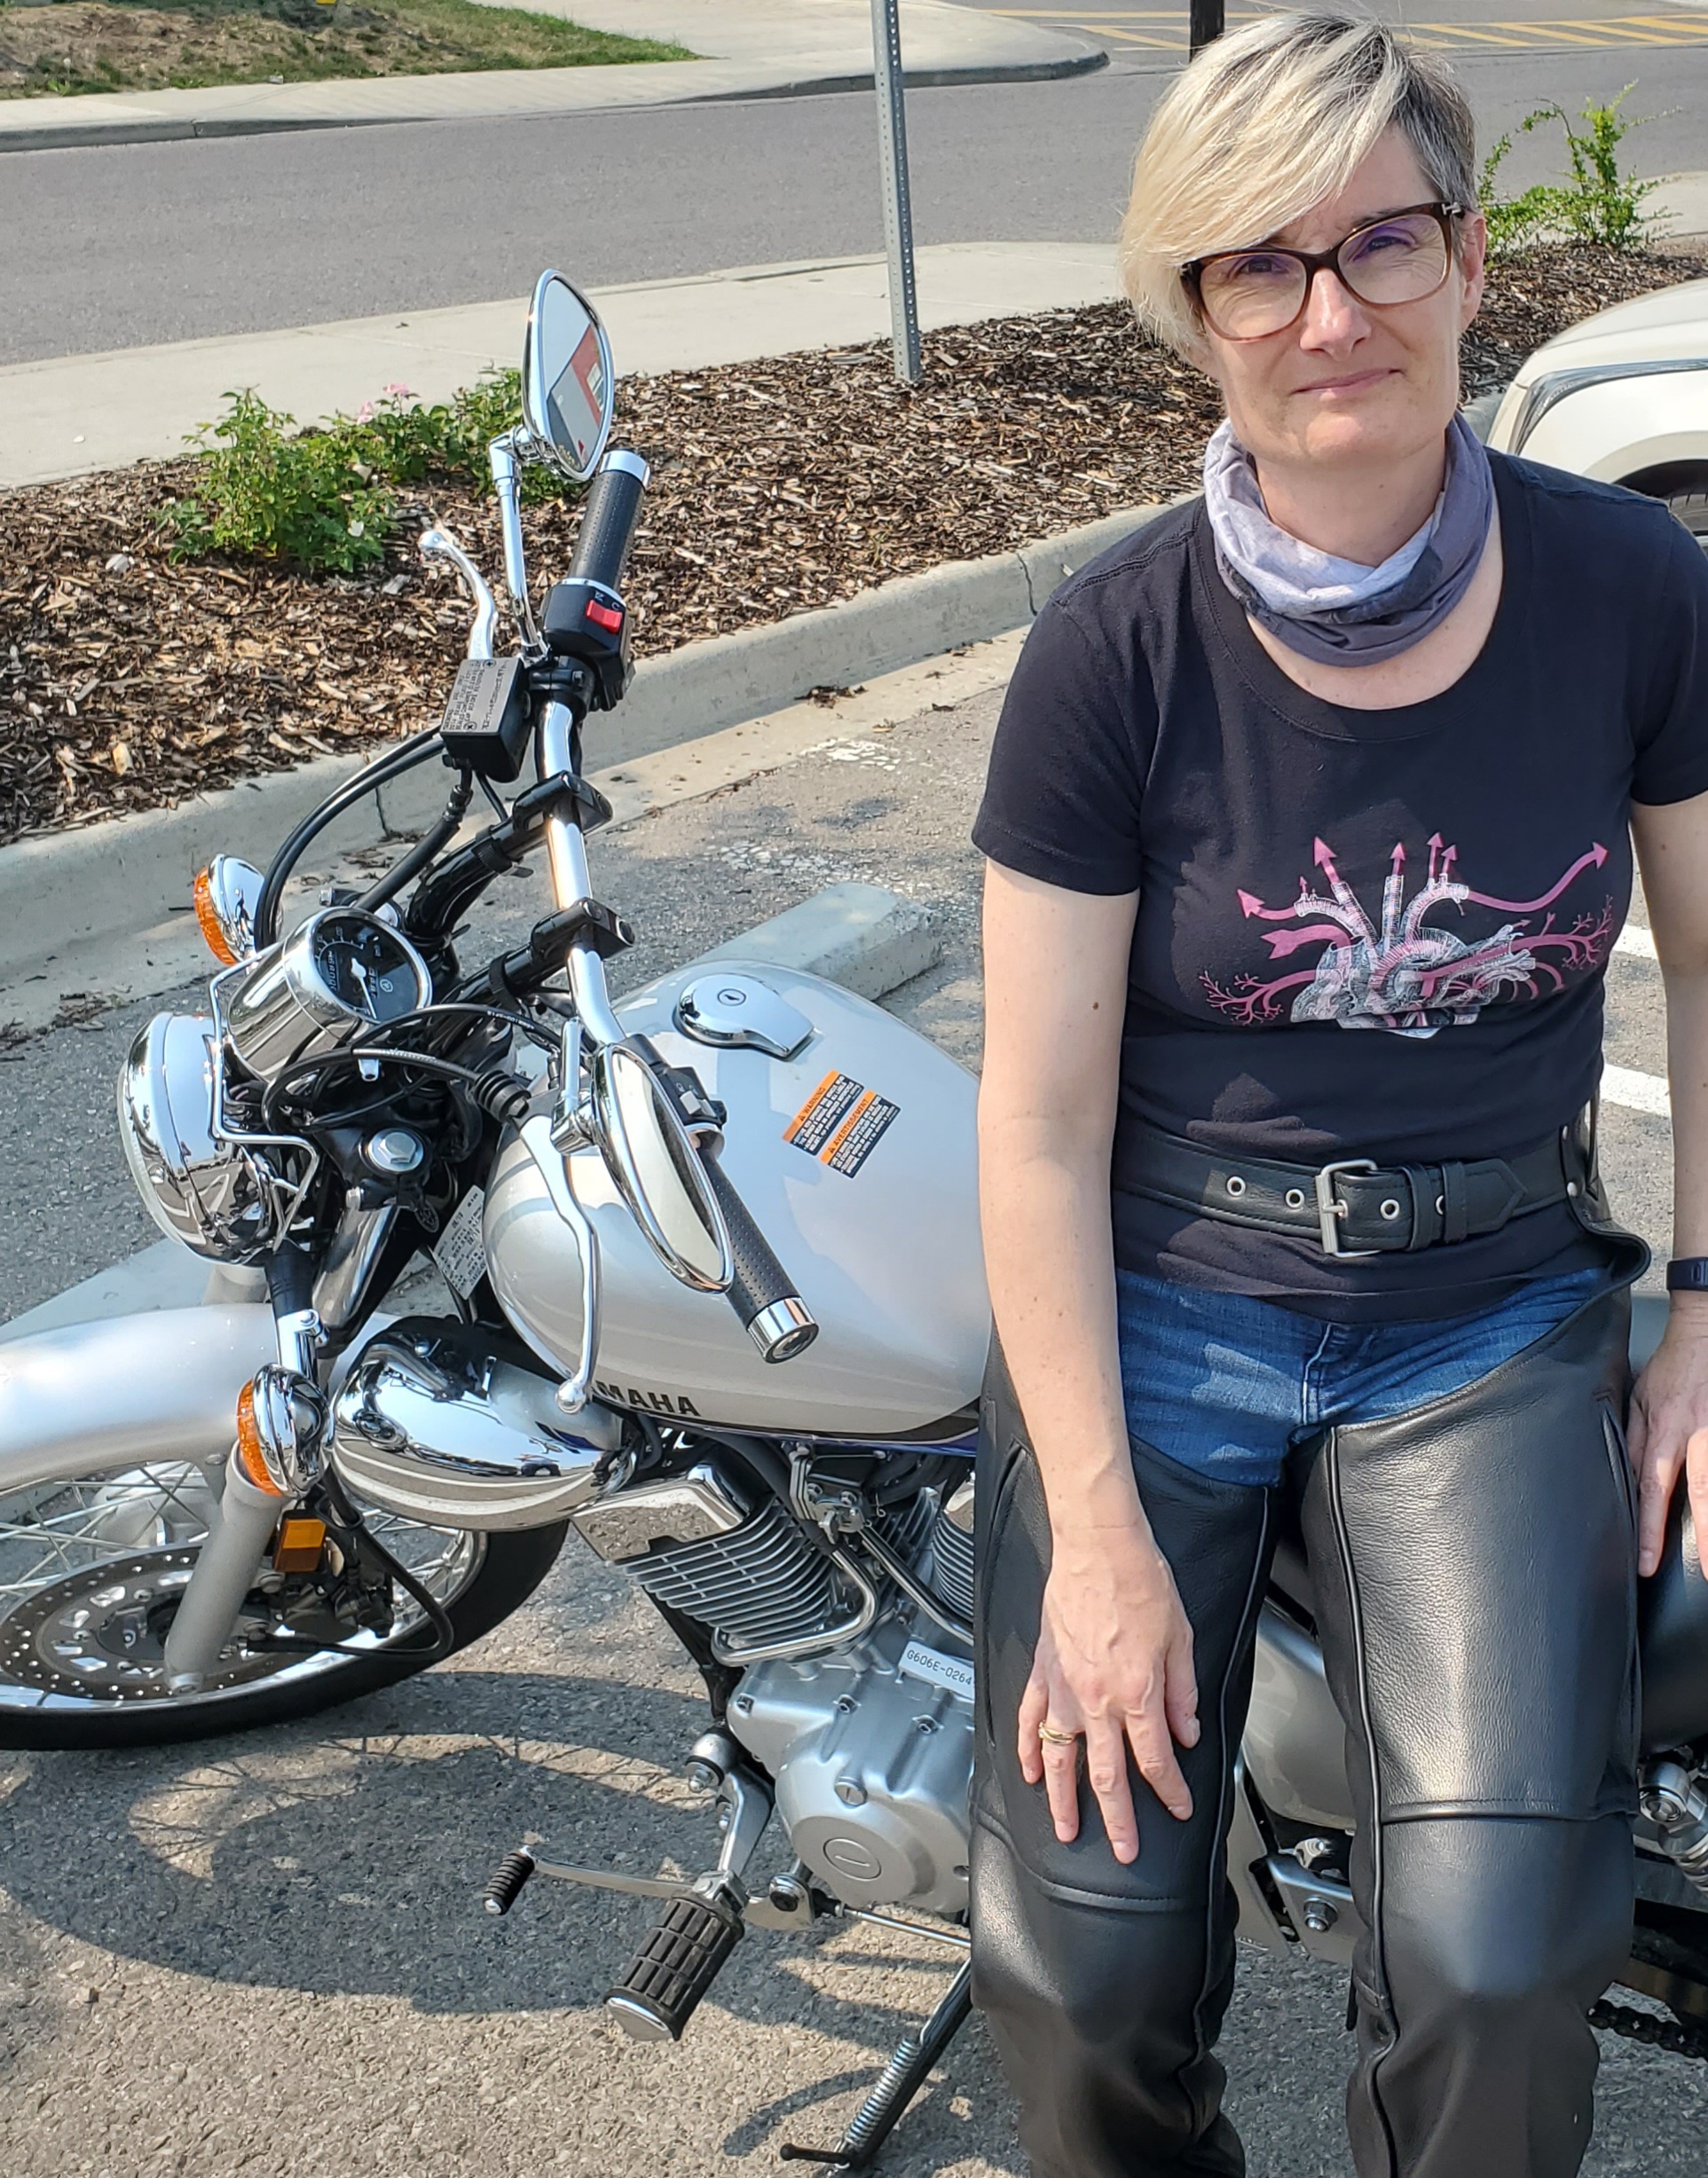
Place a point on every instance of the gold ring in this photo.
(1053, 1738)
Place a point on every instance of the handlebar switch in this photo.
(485, 725)
(588, 622)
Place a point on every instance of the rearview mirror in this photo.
(656, 1170)
(569, 389)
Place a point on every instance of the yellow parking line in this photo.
(1512, 37)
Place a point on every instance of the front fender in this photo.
(159, 1386)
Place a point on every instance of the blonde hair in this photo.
(1266, 122)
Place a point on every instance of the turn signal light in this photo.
(218, 945)
(250, 1456)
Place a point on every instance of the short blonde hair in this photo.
(1266, 122)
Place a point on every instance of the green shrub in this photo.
(324, 499)
(273, 492)
(1602, 203)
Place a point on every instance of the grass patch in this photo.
(79, 46)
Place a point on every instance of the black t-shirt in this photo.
(1360, 933)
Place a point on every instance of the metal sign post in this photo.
(1207, 22)
(898, 210)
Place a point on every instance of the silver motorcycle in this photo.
(719, 1307)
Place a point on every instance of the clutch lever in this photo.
(438, 544)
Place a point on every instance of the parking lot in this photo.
(266, 1955)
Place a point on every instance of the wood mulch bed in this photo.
(127, 682)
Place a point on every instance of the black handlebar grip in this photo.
(608, 519)
(761, 1292)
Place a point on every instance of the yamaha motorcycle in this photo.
(719, 1308)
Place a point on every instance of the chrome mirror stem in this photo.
(506, 464)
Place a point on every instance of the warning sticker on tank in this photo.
(841, 1123)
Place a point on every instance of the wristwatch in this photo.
(1687, 1274)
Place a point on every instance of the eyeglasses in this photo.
(1245, 295)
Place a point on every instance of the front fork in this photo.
(280, 1451)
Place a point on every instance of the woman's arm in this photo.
(1669, 1408)
(1115, 1651)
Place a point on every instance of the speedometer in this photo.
(367, 965)
(342, 973)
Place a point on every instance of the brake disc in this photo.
(99, 1635)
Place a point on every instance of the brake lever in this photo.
(437, 544)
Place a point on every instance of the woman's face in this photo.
(1349, 385)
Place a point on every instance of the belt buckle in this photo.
(1330, 1207)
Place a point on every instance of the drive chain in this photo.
(1645, 2026)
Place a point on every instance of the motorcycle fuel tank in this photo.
(855, 1154)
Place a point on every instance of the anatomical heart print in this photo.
(1417, 968)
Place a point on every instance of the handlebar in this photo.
(609, 519)
(761, 1292)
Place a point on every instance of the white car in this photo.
(1621, 397)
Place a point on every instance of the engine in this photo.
(861, 1717)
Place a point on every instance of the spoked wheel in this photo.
(91, 1572)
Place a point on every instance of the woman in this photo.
(1308, 830)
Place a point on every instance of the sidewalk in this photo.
(74, 414)
(750, 49)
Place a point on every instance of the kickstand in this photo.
(903, 2078)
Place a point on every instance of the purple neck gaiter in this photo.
(1339, 612)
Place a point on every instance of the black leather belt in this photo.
(1352, 1206)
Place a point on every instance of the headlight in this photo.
(207, 1193)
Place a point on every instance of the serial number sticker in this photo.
(841, 1123)
(955, 1672)
(460, 1251)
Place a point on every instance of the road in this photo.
(132, 245)
(266, 1955)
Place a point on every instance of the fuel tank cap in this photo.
(738, 1013)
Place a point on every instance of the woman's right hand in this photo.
(1114, 1663)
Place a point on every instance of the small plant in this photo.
(273, 492)
(1602, 203)
(323, 498)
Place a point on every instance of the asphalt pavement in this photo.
(132, 245)
(266, 1955)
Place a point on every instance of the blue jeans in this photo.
(1226, 1385)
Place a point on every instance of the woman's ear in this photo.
(1473, 263)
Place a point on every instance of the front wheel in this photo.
(91, 1574)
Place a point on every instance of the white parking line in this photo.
(1639, 1092)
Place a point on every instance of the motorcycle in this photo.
(223, 1516)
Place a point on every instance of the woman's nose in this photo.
(1332, 316)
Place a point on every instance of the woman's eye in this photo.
(1266, 267)
(1384, 242)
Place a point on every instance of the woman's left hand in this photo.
(1667, 1432)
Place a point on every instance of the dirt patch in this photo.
(127, 682)
(78, 46)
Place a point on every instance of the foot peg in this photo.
(505, 1887)
(683, 1955)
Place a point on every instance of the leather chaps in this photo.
(1473, 1566)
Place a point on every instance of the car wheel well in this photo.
(1668, 478)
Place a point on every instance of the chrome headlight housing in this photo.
(210, 1193)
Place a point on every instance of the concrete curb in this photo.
(66, 890)
(868, 940)
(533, 101)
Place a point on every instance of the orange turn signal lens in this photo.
(299, 1544)
(250, 1456)
(202, 893)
